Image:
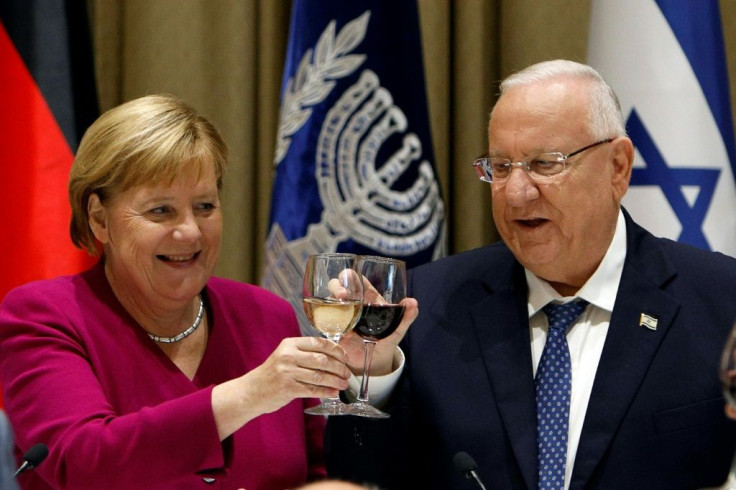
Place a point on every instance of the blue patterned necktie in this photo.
(553, 383)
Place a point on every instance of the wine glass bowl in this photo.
(331, 317)
(384, 283)
(379, 321)
(332, 299)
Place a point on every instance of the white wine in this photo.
(332, 317)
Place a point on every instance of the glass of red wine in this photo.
(728, 379)
(384, 283)
(333, 299)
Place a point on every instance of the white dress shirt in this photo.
(586, 335)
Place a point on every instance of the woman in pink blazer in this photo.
(145, 371)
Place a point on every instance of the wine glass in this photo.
(384, 281)
(728, 379)
(333, 298)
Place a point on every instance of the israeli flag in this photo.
(666, 60)
(354, 160)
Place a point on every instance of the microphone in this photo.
(32, 458)
(465, 464)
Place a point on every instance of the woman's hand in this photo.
(300, 367)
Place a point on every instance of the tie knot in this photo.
(561, 316)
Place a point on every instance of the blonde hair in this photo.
(150, 139)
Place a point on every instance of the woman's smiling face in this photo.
(161, 241)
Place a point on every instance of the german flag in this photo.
(47, 100)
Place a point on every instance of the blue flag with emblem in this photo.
(354, 160)
(666, 60)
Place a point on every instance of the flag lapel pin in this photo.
(648, 321)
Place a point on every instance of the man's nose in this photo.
(520, 189)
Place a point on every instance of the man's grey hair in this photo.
(606, 119)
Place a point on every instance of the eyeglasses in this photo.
(539, 167)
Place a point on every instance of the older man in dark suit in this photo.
(582, 352)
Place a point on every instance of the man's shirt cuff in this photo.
(379, 387)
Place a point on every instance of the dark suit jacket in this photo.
(656, 413)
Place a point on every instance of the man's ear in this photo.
(623, 163)
(97, 218)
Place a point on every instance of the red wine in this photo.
(379, 321)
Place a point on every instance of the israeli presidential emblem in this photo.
(354, 161)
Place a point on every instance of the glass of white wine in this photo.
(333, 300)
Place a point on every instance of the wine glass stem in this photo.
(369, 345)
(335, 402)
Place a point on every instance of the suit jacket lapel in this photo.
(502, 327)
(629, 347)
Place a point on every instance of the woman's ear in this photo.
(97, 218)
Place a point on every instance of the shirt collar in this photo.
(599, 290)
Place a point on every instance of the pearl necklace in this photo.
(186, 333)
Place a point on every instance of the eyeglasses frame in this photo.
(481, 163)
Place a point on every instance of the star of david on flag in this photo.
(666, 61)
(354, 159)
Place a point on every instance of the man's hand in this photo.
(383, 354)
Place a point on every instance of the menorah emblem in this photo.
(356, 176)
